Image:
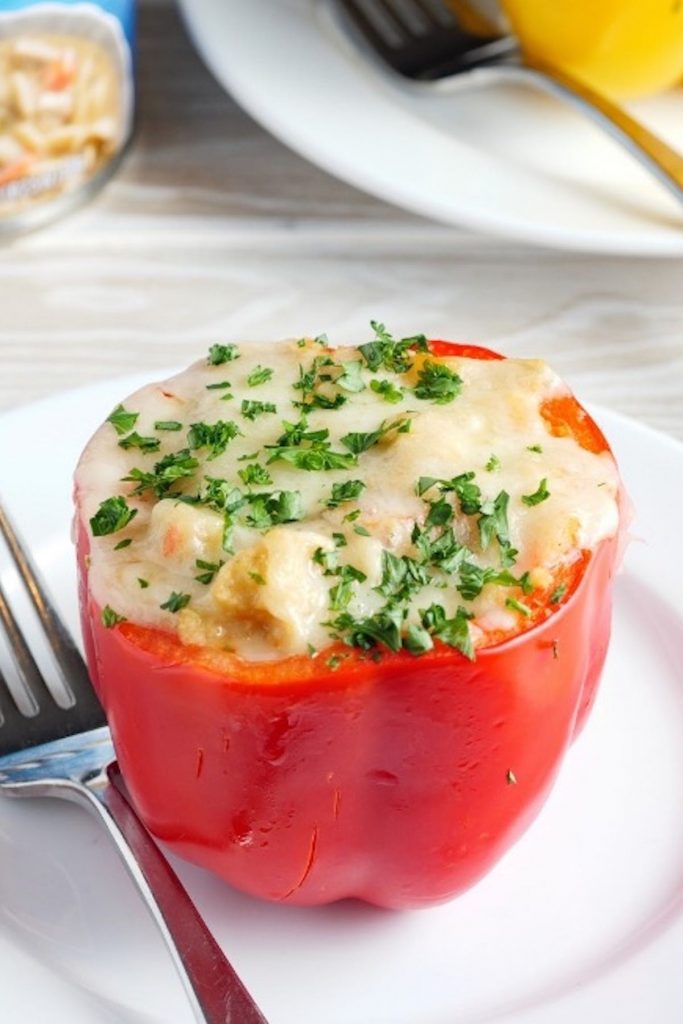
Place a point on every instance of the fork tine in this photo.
(67, 655)
(34, 685)
(85, 711)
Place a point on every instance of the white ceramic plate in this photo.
(502, 159)
(582, 921)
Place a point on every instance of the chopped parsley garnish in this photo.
(517, 606)
(112, 515)
(110, 617)
(350, 378)
(539, 495)
(271, 509)
(259, 375)
(467, 492)
(493, 464)
(437, 383)
(388, 391)
(382, 628)
(145, 444)
(143, 583)
(443, 552)
(493, 525)
(455, 631)
(172, 467)
(535, 448)
(220, 385)
(255, 474)
(361, 531)
(346, 491)
(176, 602)
(250, 410)
(473, 579)
(358, 442)
(318, 385)
(402, 577)
(123, 544)
(168, 425)
(219, 354)
(389, 354)
(342, 592)
(122, 420)
(558, 593)
(308, 449)
(214, 436)
(257, 578)
(417, 640)
(209, 571)
(440, 513)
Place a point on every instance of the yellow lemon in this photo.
(619, 47)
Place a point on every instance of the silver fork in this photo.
(48, 750)
(423, 42)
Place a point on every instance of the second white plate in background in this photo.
(502, 159)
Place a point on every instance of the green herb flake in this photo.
(493, 522)
(122, 420)
(385, 352)
(417, 640)
(558, 594)
(259, 375)
(437, 383)
(517, 606)
(257, 578)
(145, 444)
(214, 436)
(348, 490)
(316, 456)
(535, 448)
(168, 425)
(267, 509)
(219, 354)
(250, 409)
(440, 513)
(255, 474)
(111, 618)
(220, 385)
(350, 378)
(493, 464)
(387, 390)
(539, 495)
(209, 571)
(454, 632)
(172, 467)
(176, 602)
(382, 628)
(143, 583)
(112, 515)
(361, 531)
(123, 544)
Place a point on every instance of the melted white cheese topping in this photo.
(270, 597)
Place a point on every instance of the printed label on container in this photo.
(66, 96)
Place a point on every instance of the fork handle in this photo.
(664, 162)
(215, 992)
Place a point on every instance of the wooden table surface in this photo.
(213, 230)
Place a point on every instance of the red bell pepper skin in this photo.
(399, 781)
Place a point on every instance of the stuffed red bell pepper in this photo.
(346, 608)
